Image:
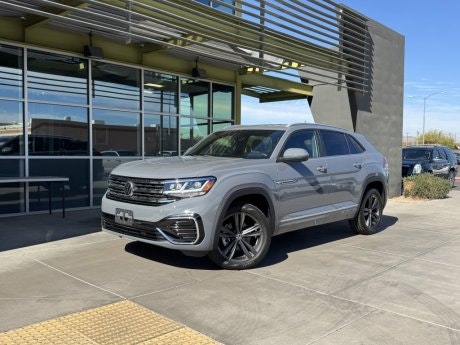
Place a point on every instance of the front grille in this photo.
(139, 229)
(178, 230)
(144, 191)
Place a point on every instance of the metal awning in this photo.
(320, 38)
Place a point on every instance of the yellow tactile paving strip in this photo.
(118, 323)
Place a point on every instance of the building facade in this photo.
(87, 85)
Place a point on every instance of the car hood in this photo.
(185, 166)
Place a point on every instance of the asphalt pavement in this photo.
(322, 286)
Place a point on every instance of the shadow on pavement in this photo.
(169, 256)
(280, 246)
(23, 231)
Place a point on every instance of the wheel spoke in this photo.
(375, 203)
(367, 221)
(247, 246)
(238, 219)
(253, 230)
(230, 247)
(245, 250)
(375, 218)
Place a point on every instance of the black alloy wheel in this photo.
(369, 216)
(243, 238)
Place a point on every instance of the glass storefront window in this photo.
(11, 128)
(176, 113)
(10, 71)
(12, 195)
(222, 101)
(224, 8)
(219, 124)
(56, 130)
(115, 86)
(101, 170)
(76, 193)
(219, 5)
(194, 98)
(57, 78)
(160, 135)
(116, 133)
(192, 130)
(160, 92)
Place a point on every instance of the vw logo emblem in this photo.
(129, 188)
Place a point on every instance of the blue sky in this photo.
(432, 65)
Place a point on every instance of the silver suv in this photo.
(237, 188)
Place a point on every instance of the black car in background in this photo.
(435, 159)
(457, 154)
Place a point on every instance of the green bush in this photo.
(426, 186)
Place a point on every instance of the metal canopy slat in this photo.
(342, 35)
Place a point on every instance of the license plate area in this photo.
(124, 217)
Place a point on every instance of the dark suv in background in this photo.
(434, 159)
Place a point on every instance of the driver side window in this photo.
(304, 139)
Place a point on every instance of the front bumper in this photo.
(187, 229)
(185, 225)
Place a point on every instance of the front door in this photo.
(303, 187)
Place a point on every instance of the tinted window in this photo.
(438, 154)
(116, 86)
(57, 78)
(450, 155)
(306, 140)
(354, 145)
(160, 92)
(416, 154)
(335, 143)
(10, 71)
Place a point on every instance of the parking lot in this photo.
(323, 285)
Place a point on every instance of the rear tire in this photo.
(369, 216)
(243, 238)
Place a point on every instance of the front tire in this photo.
(369, 216)
(243, 238)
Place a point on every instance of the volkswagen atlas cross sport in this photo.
(228, 195)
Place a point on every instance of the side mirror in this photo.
(294, 155)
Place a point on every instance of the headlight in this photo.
(188, 188)
(417, 169)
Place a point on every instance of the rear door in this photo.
(345, 159)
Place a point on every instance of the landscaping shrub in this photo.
(426, 186)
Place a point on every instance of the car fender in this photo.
(240, 191)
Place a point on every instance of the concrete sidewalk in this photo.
(321, 286)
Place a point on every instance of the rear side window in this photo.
(438, 154)
(335, 143)
(354, 145)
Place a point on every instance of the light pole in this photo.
(424, 108)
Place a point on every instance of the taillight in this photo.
(386, 167)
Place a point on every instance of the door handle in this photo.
(357, 165)
(322, 169)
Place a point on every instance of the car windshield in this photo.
(237, 143)
(416, 154)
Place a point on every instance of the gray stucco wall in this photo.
(378, 113)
